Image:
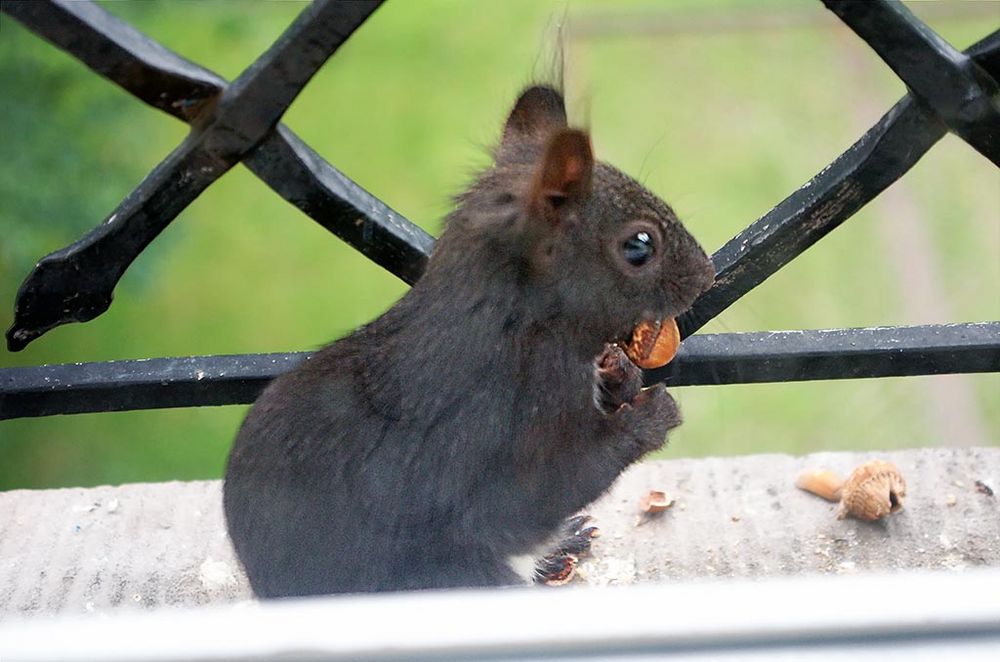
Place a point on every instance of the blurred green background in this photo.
(723, 108)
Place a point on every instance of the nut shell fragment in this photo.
(821, 482)
(872, 491)
(654, 344)
(655, 502)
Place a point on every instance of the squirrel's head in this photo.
(589, 245)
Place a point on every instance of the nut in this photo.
(872, 491)
(654, 343)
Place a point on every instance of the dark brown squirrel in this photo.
(458, 431)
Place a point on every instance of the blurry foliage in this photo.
(63, 103)
(721, 124)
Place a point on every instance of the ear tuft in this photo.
(564, 173)
(539, 111)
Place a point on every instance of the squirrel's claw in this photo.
(559, 567)
(556, 569)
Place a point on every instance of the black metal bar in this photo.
(75, 284)
(158, 76)
(791, 356)
(703, 359)
(302, 177)
(131, 59)
(880, 157)
(256, 100)
(140, 384)
(961, 93)
(122, 54)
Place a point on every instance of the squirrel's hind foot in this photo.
(559, 567)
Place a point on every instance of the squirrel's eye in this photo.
(638, 249)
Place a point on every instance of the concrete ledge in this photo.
(139, 546)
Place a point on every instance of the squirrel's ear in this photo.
(539, 111)
(564, 172)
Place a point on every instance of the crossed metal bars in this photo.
(229, 123)
(949, 90)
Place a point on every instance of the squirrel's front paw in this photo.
(618, 380)
(648, 417)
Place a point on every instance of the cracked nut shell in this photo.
(655, 501)
(872, 491)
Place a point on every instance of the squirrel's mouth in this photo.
(653, 343)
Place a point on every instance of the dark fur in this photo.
(460, 428)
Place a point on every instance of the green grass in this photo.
(721, 125)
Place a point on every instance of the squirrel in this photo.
(451, 438)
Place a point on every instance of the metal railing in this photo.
(239, 122)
